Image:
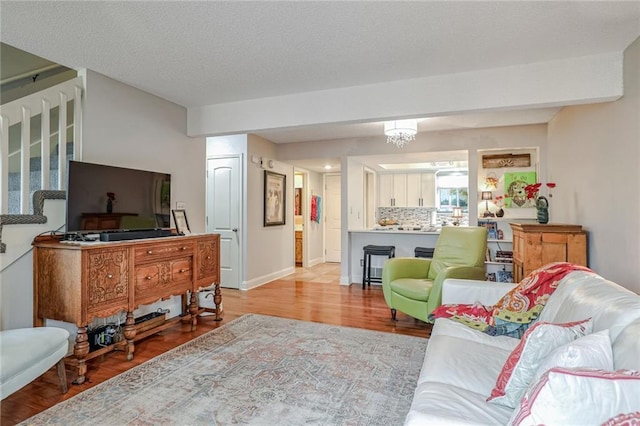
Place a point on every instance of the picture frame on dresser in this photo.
(182, 224)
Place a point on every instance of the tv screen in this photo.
(108, 198)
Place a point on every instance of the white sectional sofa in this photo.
(461, 364)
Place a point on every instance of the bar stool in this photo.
(371, 250)
(424, 252)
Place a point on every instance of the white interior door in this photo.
(224, 213)
(332, 218)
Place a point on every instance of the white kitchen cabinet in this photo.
(428, 189)
(393, 190)
(385, 185)
(400, 190)
(414, 189)
(421, 191)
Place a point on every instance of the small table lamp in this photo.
(486, 196)
(456, 215)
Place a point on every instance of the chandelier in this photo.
(400, 132)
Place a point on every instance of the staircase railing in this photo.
(17, 154)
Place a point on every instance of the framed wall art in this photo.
(514, 189)
(275, 193)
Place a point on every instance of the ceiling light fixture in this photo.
(400, 132)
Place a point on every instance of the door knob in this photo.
(235, 229)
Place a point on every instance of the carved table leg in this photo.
(217, 300)
(80, 352)
(129, 334)
(193, 309)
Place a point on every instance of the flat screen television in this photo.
(108, 198)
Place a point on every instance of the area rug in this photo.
(259, 370)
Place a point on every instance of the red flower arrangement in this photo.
(534, 189)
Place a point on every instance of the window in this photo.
(453, 190)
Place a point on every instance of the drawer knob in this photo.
(183, 248)
(182, 271)
(148, 277)
(208, 257)
(109, 276)
(149, 251)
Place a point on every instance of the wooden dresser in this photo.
(535, 245)
(77, 282)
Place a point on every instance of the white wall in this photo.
(270, 250)
(355, 194)
(126, 127)
(594, 157)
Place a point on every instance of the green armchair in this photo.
(414, 285)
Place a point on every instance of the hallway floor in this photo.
(328, 273)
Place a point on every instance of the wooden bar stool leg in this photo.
(364, 270)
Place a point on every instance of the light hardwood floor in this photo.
(310, 294)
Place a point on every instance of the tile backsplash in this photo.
(417, 216)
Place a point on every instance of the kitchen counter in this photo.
(405, 242)
(398, 231)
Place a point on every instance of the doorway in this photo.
(298, 217)
(332, 208)
(224, 213)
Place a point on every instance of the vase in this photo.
(109, 206)
(500, 212)
(542, 206)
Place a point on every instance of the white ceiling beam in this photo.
(571, 81)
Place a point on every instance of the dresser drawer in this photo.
(162, 275)
(151, 252)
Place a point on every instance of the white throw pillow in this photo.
(591, 351)
(580, 396)
(523, 362)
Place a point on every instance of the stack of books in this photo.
(504, 256)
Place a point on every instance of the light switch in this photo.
(180, 205)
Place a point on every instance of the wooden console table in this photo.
(77, 282)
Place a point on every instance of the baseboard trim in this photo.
(316, 261)
(264, 279)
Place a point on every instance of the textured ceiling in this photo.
(197, 53)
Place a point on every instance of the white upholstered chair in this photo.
(27, 353)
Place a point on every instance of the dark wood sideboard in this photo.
(76, 283)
